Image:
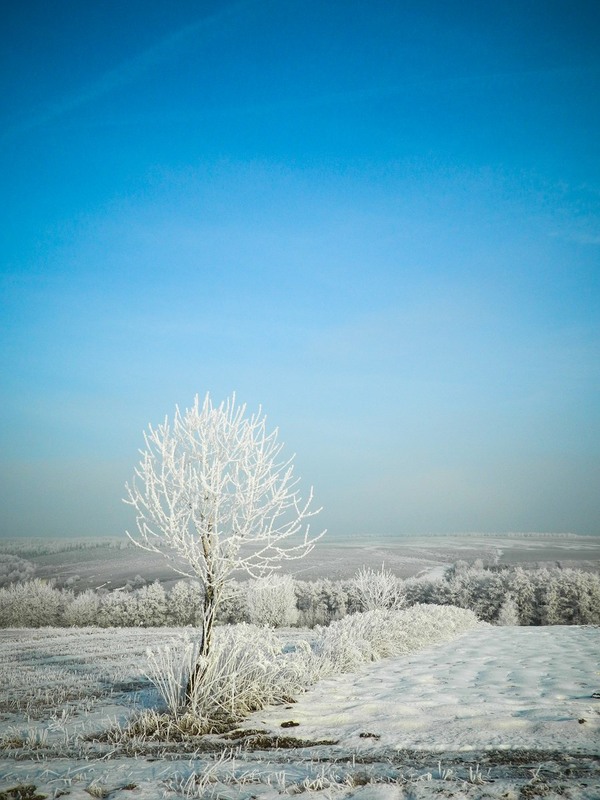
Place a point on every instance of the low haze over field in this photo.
(379, 220)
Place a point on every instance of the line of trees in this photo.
(500, 596)
(32, 547)
(15, 570)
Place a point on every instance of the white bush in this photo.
(14, 569)
(184, 603)
(82, 611)
(378, 590)
(115, 610)
(34, 604)
(272, 601)
(234, 605)
(246, 670)
(369, 636)
(148, 606)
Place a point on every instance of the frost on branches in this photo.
(212, 495)
(378, 590)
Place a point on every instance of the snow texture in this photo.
(491, 688)
(498, 712)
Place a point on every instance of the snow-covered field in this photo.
(496, 712)
(406, 557)
(495, 688)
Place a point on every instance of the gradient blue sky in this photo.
(381, 220)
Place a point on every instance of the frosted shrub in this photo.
(488, 594)
(432, 591)
(568, 597)
(115, 610)
(169, 669)
(14, 569)
(245, 670)
(148, 606)
(272, 601)
(82, 611)
(33, 604)
(336, 598)
(369, 636)
(321, 601)
(7, 609)
(480, 590)
(184, 603)
(145, 607)
(380, 589)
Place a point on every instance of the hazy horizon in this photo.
(370, 538)
(379, 221)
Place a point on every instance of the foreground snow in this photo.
(493, 713)
(492, 688)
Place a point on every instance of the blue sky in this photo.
(379, 220)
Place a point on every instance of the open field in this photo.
(113, 567)
(494, 713)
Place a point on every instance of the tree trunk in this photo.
(208, 618)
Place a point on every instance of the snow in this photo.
(460, 719)
(492, 688)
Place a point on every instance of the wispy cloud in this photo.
(128, 71)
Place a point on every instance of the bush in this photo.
(113, 610)
(272, 601)
(14, 569)
(246, 670)
(184, 604)
(378, 589)
(148, 606)
(542, 597)
(82, 611)
(33, 604)
(360, 638)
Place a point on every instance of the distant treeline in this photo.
(507, 595)
(512, 535)
(31, 547)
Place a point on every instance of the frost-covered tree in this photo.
(82, 610)
(33, 604)
(212, 494)
(312, 603)
(272, 601)
(14, 569)
(183, 603)
(335, 597)
(149, 606)
(509, 613)
(233, 608)
(522, 588)
(588, 588)
(115, 610)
